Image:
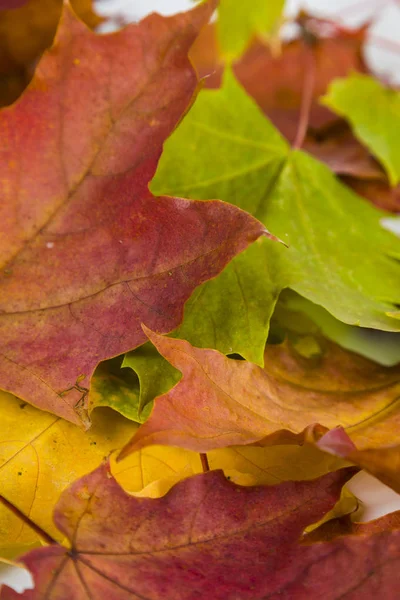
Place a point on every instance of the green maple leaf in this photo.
(226, 148)
(296, 313)
(213, 321)
(373, 111)
(238, 21)
(230, 313)
(156, 376)
(331, 231)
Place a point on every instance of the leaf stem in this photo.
(306, 101)
(20, 515)
(204, 462)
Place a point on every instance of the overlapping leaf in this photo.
(296, 316)
(237, 155)
(89, 254)
(382, 462)
(379, 193)
(242, 329)
(201, 538)
(221, 402)
(78, 150)
(376, 122)
(275, 78)
(39, 456)
(117, 388)
(344, 154)
(153, 470)
(280, 94)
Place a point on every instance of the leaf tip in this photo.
(150, 334)
(336, 442)
(274, 238)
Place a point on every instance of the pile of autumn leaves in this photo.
(267, 379)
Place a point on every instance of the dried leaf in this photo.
(383, 463)
(200, 539)
(379, 193)
(376, 123)
(153, 470)
(344, 155)
(78, 207)
(222, 402)
(40, 455)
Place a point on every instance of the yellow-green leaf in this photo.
(373, 111)
(239, 21)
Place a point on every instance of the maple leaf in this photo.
(276, 79)
(40, 455)
(381, 462)
(78, 208)
(201, 538)
(155, 374)
(238, 156)
(293, 315)
(153, 470)
(379, 193)
(207, 322)
(376, 122)
(306, 61)
(87, 254)
(299, 319)
(344, 154)
(223, 402)
(117, 388)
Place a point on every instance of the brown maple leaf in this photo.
(206, 538)
(221, 402)
(86, 251)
